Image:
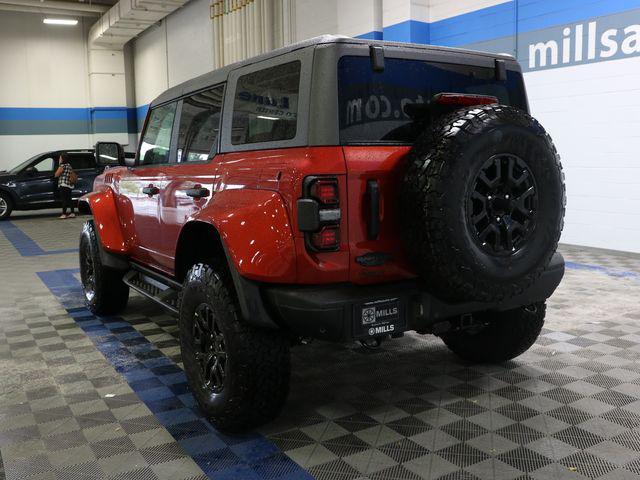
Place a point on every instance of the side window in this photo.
(199, 125)
(81, 161)
(266, 105)
(43, 166)
(156, 141)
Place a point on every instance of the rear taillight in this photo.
(464, 99)
(319, 213)
(325, 190)
(328, 238)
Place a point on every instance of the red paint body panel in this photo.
(254, 227)
(176, 208)
(253, 207)
(386, 166)
(102, 202)
(284, 170)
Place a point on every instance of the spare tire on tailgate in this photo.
(483, 203)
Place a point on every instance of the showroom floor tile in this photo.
(87, 397)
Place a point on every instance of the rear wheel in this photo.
(500, 336)
(239, 374)
(104, 291)
(6, 206)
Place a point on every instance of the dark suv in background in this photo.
(32, 186)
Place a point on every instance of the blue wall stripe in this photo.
(538, 14)
(413, 31)
(162, 386)
(373, 35)
(46, 121)
(486, 23)
(499, 22)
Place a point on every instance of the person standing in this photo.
(65, 176)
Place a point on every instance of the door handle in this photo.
(373, 226)
(198, 192)
(151, 190)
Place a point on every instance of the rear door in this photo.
(191, 179)
(141, 185)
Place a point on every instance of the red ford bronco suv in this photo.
(335, 189)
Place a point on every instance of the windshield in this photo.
(23, 165)
(373, 105)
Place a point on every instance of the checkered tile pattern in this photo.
(610, 262)
(48, 236)
(66, 413)
(568, 408)
(162, 385)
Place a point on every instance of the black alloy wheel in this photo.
(210, 349)
(501, 204)
(239, 374)
(104, 291)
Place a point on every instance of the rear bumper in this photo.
(335, 312)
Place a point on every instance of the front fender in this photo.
(255, 229)
(103, 206)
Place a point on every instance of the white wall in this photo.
(593, 114)
(41, 66)
(150, 64)
(189, 42)
(178, 48)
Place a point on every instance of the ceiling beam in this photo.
(54, 7)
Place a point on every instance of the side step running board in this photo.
(154, 286)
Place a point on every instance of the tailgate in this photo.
(375, 241)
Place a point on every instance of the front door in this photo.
(143, 184)
(36, 184)
(192, 179)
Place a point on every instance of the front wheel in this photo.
(502, 336)
(239, 374)
(104, 291)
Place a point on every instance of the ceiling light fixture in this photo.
(60, 21)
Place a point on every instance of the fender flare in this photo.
(256, 233)
(114, 244)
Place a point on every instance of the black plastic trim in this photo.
(373, 194)
(327, 311)
(376, 52)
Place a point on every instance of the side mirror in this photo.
(31, 171)
(109, 154)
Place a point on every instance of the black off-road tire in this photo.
(256, 361)
(5, 213)
(104, 291)
(442, 174)
(506, 335)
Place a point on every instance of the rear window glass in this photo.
(266, 105)
(373, 104)
(199, 125)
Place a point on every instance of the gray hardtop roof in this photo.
(220, 75)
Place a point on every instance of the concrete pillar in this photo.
(109, 114)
